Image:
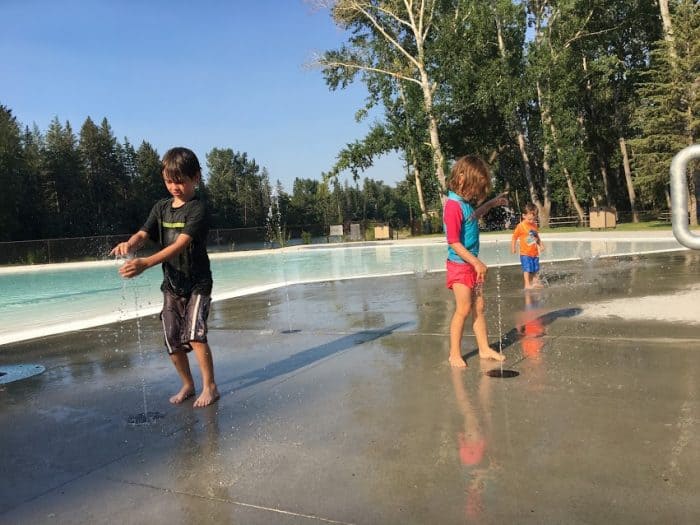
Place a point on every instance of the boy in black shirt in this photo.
(180, 226)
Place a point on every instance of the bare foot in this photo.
(207, 397)
(457, 362)
(185, 392)
(490, 353)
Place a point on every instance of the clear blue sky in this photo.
(199, 74)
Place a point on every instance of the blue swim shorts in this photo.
(530, 264)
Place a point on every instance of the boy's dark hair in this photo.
(470, 178)
(530, 208)
(180, 163)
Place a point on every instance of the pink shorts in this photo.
(462, 273)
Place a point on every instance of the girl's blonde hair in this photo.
(470, 178)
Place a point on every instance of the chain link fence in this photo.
(74, 249)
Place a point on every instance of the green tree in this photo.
(64, 186)
(223, 186)
(32, 207)
(303, 209)
(391, 39)
(667, 114)
(148, 187)
(104, 204)
(12, 169)
(613, 59)
(238, 191)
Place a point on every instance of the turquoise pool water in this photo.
(44, 300)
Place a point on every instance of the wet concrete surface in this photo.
(356, 417)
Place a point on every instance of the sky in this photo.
(201, 74)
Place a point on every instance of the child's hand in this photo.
(481, 270)
(121, 249)
(501, 199)
(133, 268)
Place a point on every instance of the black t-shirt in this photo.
(188, 271)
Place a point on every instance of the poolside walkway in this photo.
(354, 417)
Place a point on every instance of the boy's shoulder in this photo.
(162, 203)
(199, 204)
(524, 228)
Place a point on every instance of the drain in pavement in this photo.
(497, 372)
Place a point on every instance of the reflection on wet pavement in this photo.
(357, 418)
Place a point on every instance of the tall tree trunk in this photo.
(543, 206)
(604, 175)
(567, 175)
(546, 120)
(673, 55)
(628, 179)
(414, 158)
(668, 27)
(428, 88)
(419, 190)
(438, 157)
(544, 212)
(599, 153)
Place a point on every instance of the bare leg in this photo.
(535, 280)
(462, 307)
(481, 330)
(209, 393)
(526, 278)
(182, 365)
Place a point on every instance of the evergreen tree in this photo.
(669, 108)
(222, 186)
(105, 179)
(303, 209)
(32, 207)
(65, 187)
(148, 185)
(238, 192)
(12, 169)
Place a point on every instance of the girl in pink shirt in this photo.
(469, 182)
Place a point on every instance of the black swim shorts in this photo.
(184, 320)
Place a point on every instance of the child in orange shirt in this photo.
(530, 246)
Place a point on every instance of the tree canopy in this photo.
(574, 103)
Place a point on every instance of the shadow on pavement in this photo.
(305, 358)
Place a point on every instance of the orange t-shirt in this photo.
(529, 236)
